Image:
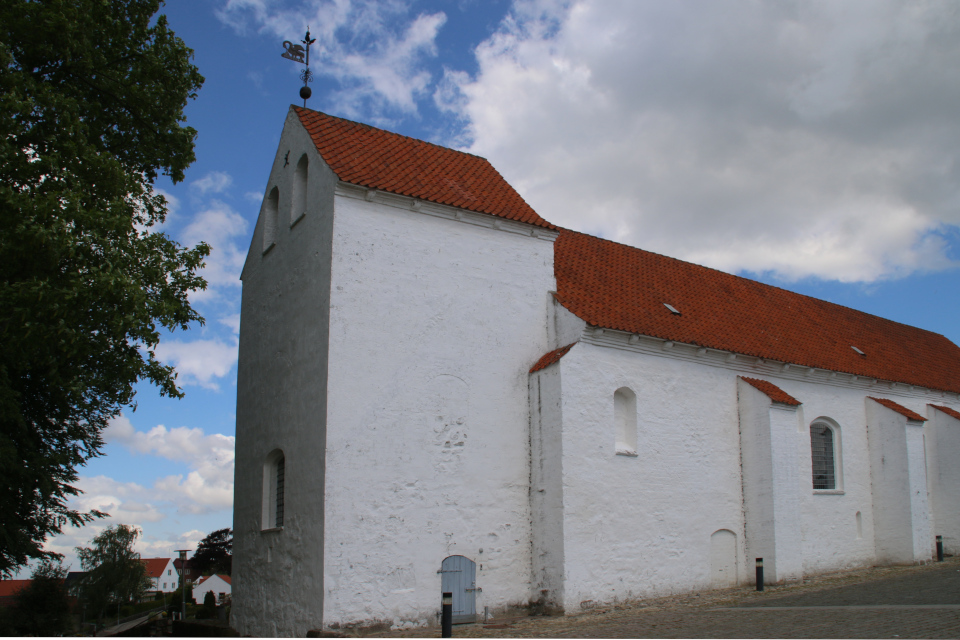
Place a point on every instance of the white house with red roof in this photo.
(439, 390)
(219, 584)
(162, 573)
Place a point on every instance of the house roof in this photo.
(899, 408)
(947, 410)
(155, 566)
(772, 391)
(9, 588)
(378, 159)
(615, 286)
(223, 577)
(549, 358)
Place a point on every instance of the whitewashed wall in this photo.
(434, 325)
(638, 527)
(899, 485)
(546, 488)
(770, 440)
(829, 518)
(641, 526)
(943, 452)
(281, 404)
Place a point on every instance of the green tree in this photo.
(45, 601)
(41, 608)
(115, 574)
(213, 554)
(92, 94)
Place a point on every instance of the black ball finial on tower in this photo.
(305, 93)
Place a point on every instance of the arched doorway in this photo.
(723, 558)
(458, 575)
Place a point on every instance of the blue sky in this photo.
(811, 145)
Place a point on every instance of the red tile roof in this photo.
(774, 392)
(899, 408)
(9, 588)
(549, 358)
(620, 287)
(947, 410)
(155, 566)
(378, 159)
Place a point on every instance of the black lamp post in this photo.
(181, 571)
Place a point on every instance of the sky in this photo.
(812, 145)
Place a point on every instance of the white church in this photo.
(440, 390)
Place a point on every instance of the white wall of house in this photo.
(216, 584)
(434, 324)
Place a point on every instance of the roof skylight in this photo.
(857, 350)
(672, 309)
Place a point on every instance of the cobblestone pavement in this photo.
(880, 602)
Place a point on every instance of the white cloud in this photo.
(817, 138)
(198, 361)
(218, 225)
(254, 196)
(213, 182)
(232, 321)
(207, 486)
(372, 48)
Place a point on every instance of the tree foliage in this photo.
(92, 94)
(41, 608)
(213, 554)
(115, 574)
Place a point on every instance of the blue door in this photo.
(458, 575)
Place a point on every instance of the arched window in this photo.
(299, 201)
(274, 472)
(271, 213)
(625, 421)
(823, 455)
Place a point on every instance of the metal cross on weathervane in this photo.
(297, 53)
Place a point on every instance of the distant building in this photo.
(439, 390)
(162, 573)
(219, 584)
(9, 589)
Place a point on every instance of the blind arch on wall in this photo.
(298, 206)
(271, 215)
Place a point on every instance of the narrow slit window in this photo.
(274, 482)
(279, 509)
(625, 421)
(823, 458)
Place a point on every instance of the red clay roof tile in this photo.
(773, 392)
(155, 566)
(550, 357)
(899, 408)
(620, 287)
(947, 410)
(378, 159)
(9, 588)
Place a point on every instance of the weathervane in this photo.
(297, 53)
